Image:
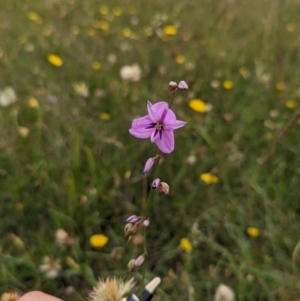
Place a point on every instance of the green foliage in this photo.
(66, 165)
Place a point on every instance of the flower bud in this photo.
(139, 261)
(130, 265)
(155, 183)
(163, 187)
(129, 229)
(146, 223)
(172, 86)
(182, 85)
(133, 219)
(148, 165)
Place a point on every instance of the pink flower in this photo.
(158, 125)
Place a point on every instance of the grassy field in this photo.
(67, 160)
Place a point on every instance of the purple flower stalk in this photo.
(158, 125)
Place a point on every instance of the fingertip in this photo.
(38, 296)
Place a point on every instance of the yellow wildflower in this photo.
(104, 25)
(170, 30)
(33, 103)
(228, 84)
(54, 60)
(290, 104)
(96, 65)
(280, 86)
(46, 32)
(186, 245)
(244, 72)
(290, 27)
(149, 31)
(104, 116)
(75, 30)
(126, 32)
(209, 178)
(253, 231)
(180, 59)
(117, 11)
(198, 105)
(35, 17)
(98, 241)
(90, 31)
(103, 10)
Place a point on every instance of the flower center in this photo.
(159, 125)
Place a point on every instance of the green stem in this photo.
(145, 234)
(171, 102)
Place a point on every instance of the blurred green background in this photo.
(68, 163)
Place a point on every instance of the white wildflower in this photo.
(7, 96)
(63, 238)
(224, 293)
(81, 89)
(50, 267)
(132, 73)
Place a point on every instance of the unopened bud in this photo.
(133, 219)
(130, 265)
(163, 187)
(129, 229)
(146, 223)
(148, 165)
(182, 85)
(172, 86)
(139, 261)
(155, 183)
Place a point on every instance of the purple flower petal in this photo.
(153, 114)
(166, 143)
(140, 127)
(175, 125)
(159, 109)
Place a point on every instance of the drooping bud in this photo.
(139, 261)
(172, 86)
(148, 165)
(133, 219)
(163, 187)
(182, 85)
(146, 222)
(134, 264)
(129, 229)
(155, 183)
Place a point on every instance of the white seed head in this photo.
(111, 289)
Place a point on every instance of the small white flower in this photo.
(81, 89)
(50, 267)
(7, 96)
(63, 238)
(224, 293)
(132, 73)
